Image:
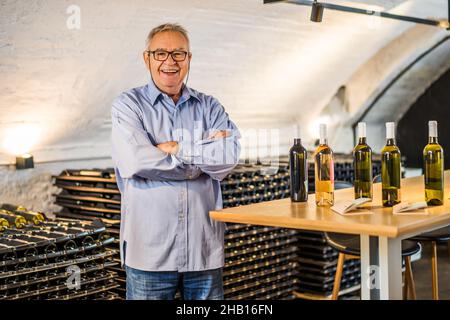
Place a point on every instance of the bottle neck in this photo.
(432, 140)
(362, 140)
(390, 142)
(297, 142)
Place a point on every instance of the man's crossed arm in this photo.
(172, 147)
(135, 155)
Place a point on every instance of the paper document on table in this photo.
(351, 207)
(410, 208)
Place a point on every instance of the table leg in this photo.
(369, 268)
(381, 268)
(390, 255)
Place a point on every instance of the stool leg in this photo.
(338, 276)
(409, 280)
(405, 288)
(434, 271)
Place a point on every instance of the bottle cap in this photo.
(361, 129)
(432, 128)
(323, 133)
(390, 130)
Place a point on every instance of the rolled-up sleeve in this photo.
(133, 153)
(215, 157)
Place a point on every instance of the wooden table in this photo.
(381, 232)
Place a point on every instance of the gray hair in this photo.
(167, 27)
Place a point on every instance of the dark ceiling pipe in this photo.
(331, 6)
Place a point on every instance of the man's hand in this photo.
(220, 134)
(168, 147)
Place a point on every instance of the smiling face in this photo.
(168, 75)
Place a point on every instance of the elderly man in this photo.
(171, 145)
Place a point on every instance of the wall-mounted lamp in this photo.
(24, 161)
(316, 12)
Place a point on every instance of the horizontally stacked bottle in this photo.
(17, 216)
(433, 158)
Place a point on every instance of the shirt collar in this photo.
(154, 93)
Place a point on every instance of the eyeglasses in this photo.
(162, 55)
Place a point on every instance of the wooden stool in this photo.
(348, 246)
(435, 237)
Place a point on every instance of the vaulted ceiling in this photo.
(269, 65)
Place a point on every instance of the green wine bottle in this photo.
(433, 159)
(362, 165)
(324, 171)
(390, 169)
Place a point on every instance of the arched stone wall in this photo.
(398, 98)
(412, 129)
(387, 85)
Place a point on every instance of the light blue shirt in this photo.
(166, 199)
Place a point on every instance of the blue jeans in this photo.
(161, 285)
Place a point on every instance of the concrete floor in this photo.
(422, 273)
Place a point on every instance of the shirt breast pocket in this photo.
(158, 129)
(160, 135)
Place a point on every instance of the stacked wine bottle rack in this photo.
(260, 262)
(317, 267)
(89, 195)
(317, 260)
(55, 259)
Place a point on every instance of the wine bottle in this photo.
(88, 241)
(299, 172)
(324, 171)
(13, 219)
(50, 248)
(390, 169)
(32, 216)
(70, 245)
(30, 253)
(433, 159)
(4, 224)
(362, 164)
(9, 256)
(33, 276)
